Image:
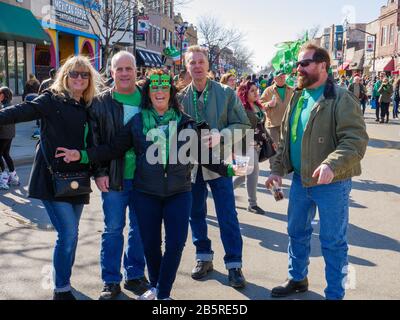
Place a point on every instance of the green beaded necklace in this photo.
(195, 100)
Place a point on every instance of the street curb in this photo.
(24, 161)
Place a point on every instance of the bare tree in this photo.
(312, 32)
(243, 58)
(217, 37)
(112, 19)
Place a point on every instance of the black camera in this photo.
(203, 126)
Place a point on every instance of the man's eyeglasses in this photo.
(304, 63)
(76, 74)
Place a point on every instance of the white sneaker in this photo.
(4, 186)
(4, 176)
(13, 179)
(149, 295)
(4, 181)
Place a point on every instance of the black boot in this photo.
(290, 287)
(236, 278)
(110, 291)
(63, 296)
(201, 269)
(137, 286)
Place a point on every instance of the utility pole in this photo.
(135, 23)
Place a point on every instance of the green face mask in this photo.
(158, 83)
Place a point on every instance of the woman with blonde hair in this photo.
(63, 113)
(229, 79)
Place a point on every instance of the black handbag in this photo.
(266, 144)
(68, 184)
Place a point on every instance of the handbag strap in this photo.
(42, 148)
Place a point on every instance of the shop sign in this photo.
(70, 13)
(370, 44)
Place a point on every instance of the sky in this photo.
(268, 22)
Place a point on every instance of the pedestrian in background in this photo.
(376, 95)
(7, 134)
(184, 80)
(229, 79)
(386, 92)
(396, 99)
(48, 82)
(358, 89)
(248, 95)
(31, 86)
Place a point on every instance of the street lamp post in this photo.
(136, 13)
(181, 30)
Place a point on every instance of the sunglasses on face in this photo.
(304, 63)
(163, 88)
(76, 74)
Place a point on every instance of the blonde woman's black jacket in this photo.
(63, 122)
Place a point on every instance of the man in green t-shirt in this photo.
(111, 111)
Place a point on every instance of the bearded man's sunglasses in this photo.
(305, 63)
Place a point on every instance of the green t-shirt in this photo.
(311, 96)
(282, 92)
(131, 104)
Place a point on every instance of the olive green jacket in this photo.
(224, 110)
(335, 135)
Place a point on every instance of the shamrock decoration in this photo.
(172, 53)
(286, 56)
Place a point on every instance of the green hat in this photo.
(278, 73)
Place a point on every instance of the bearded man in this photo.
(323, 140)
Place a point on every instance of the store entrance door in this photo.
(66, 46)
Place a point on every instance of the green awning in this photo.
(19, 24)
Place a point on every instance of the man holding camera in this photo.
(219, 108)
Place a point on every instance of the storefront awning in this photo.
(19, 24)
(385, 64)
(148, 59)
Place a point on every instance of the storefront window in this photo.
(11, 65)
(3, 67)
(21, 67)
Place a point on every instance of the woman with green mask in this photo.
(162, 182)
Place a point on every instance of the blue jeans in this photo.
(65, 219)
(332, 202)
(395, 108)
(112, 245)
(224, 200)
(152, 212)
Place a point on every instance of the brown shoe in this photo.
(201, 269)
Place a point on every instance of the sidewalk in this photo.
(23, 146)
